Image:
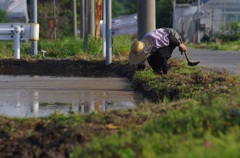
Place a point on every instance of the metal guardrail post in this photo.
(18, 32)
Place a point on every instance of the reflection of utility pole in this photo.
(35, 105)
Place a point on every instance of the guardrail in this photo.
(18, 32)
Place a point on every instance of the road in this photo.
(224, 61)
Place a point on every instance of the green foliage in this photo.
(94, 46)
(121, 44)
(163, 18)
(3, 16)
(68, 47)
(61, 119)
(63, 15)
(209, 128)
(229, 32)
(117, 9)
(61, 48)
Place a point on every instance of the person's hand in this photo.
(182, 48)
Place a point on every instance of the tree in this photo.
(117, 9)
(3, 16)
(164, 13)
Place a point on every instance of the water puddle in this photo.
(35, 96)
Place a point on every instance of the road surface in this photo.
(224, 61)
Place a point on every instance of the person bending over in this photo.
(156, 48)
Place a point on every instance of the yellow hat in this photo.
(140, 50)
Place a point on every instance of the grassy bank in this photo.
(187, 128)
(197, 115)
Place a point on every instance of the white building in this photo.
(212, 14)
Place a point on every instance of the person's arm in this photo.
(175, 39)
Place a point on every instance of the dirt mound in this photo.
(65, 67)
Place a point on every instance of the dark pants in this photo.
(158, 59)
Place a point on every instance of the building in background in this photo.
(16, 10)
(211, 16)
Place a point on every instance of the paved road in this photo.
(224, 61)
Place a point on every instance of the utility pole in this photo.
(82, 18)
(34, 44)
(146, 17)
(55, 20)
(99, 11)
(86, 30)
(108, 32)
(198, 22)
(104, 29)
(74, 18)
(92, 17)
(174, 16)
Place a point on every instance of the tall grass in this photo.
(68, 47)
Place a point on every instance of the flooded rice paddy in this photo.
(39, 96)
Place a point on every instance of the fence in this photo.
(18, 32)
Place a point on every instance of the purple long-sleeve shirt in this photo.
(159, 38)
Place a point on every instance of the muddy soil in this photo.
(46, 137)
(66, 67)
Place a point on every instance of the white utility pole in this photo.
(108, 32)
(34, 44)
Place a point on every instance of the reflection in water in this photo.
(23, 103)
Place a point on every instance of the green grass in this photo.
(67, 48)
(234, 45)
(208, 128)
